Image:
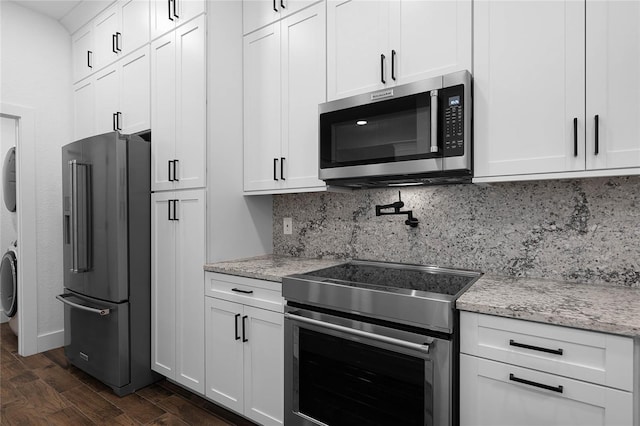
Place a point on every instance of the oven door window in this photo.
(347, 382)
(382, 132)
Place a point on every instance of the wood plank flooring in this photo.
(44, 389)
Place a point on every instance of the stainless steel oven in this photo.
(413, 133)
(372, 343)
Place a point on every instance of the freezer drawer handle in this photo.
(558, 389)
(99, 311)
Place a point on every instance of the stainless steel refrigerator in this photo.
(107, 260)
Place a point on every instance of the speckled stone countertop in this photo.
(606, 308)
(270, 267)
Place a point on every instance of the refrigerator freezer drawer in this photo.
(96, 335)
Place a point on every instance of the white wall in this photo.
(36, 73)
(238, 226)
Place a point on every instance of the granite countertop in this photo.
(270, 267)
(607, 308)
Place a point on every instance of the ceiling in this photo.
(56, 9)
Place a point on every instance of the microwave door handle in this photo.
(434, 121)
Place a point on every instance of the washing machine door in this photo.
(9, 180)
(9, 283)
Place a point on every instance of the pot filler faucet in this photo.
(411, 221)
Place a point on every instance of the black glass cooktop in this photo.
(378, 276)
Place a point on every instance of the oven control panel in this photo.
(452, 107)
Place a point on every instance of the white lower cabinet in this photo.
(177, 294)
(515, 372)
(244, 348)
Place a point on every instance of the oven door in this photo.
(341, 371)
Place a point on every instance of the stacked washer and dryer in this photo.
(9, 263)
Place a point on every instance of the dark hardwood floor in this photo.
(44, 389)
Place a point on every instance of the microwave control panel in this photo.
(452, 107)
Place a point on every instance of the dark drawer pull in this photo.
(236, 321)
(535, 348)
(536, 384)
(239, 290)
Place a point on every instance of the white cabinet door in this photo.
(135, 90)
(528, 87)
(189, 288)
(225, 367)
(163, 291)
(357, 39)
(429, 38)
(613, 83)
(162, 17)
(134, 25)
(163, 110)
(303, 88)
(264, 366)
(84, 109)
(492, 393)
(258, 13)
(106, 25)
(191, 104)
(169, 14)
(82, 51)
(262, 118)
(107, 102)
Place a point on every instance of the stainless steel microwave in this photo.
(416, 133)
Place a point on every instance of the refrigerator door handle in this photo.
(99, 311)
(80, 214)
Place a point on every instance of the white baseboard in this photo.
(52, 340)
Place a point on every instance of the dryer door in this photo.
(9, 283)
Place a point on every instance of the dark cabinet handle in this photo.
(597, 131)
(282, 4)
(170, 167)
(113, 43)
(174, 8)
(236, 323)
(393, 65)
(575, 137)
(169, 209)
(282, 168)
(175, 216)
(558, 389)
(89, 55)
(244, 330)
(118, 36)
(169, 7)
(115, 117)
(535, 348)
(175, 171)
(382, 57)
(239, 290)
(118, 120)
(275, 166)
(275, 8)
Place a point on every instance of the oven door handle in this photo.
(384, 339)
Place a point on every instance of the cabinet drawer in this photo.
(248, 291)
(494, 393)
(584, 355)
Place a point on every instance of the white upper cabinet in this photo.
(537, 98)
(119, 30)
(284, 81)
(377, 44)
(122, 95)
(258, 13)
(83, 51)
(83, 107)
(613, 84)
(169, 14)
(178, 107)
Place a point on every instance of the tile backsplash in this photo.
(576, 230)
